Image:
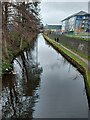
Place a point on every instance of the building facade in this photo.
(54, 28)
(77, 23)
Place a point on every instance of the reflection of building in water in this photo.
(19, 91)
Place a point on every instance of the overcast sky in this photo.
(54, 12)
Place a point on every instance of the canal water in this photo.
(45, 85)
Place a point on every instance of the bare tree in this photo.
(20, 25)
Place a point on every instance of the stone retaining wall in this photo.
(77, 44)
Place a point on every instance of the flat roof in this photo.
(53, 26)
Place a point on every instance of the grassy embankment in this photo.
(85, 37)
(78, 52)
(14, 50)
(82, 66)
(73, 37)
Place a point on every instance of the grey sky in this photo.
(54, 12)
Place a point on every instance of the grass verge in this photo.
(65, 41)
(81, 66)
(79, 37)
(77, 52)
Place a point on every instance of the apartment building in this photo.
(76, 23)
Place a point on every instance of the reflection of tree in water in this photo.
(19, 91)
(65, 62)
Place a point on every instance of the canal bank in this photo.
(56, 91)
(75, 44)
(76, 61)
(15, 51)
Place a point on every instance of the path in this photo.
(81, 58)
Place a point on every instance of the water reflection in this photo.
(56, 91)
(20, 90)
(62, 86)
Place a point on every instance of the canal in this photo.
(45, 85)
